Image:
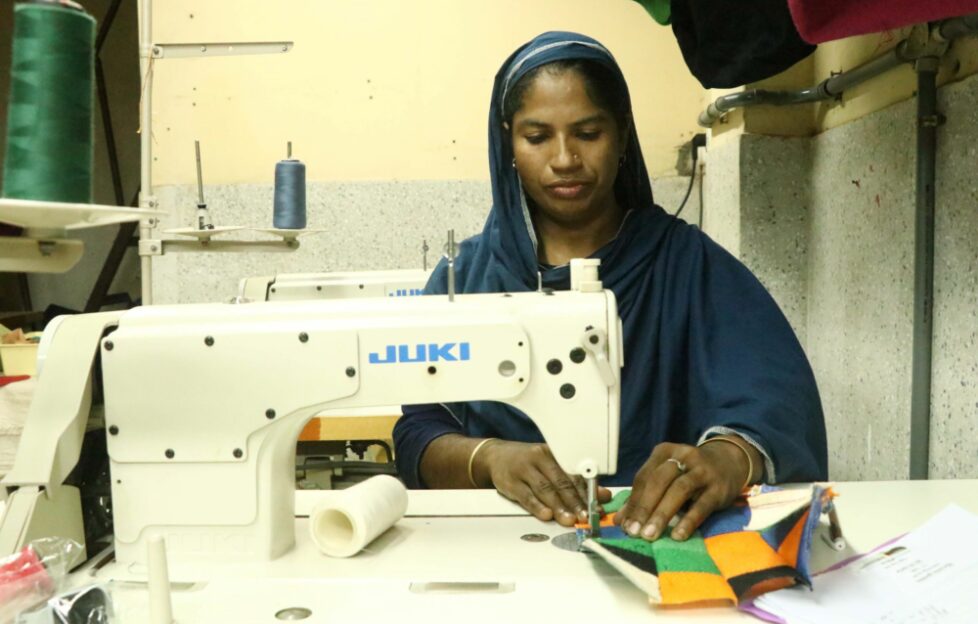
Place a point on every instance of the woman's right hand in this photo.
(528, 474)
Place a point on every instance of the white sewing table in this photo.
(458, 556)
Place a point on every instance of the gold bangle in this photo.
(472, 460)
(750, 461)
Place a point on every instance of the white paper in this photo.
(929, 576)
(342, 525)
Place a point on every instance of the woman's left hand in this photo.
(709, 477)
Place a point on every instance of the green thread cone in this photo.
(49, 123)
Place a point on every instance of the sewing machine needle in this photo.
(593, 513)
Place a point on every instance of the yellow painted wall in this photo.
(383, 89)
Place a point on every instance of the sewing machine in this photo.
(206, 381)
(336, 285)
(321, 447)
(203, 403)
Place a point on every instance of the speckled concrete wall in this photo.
(954, 402)
(861, 273)
(861, 291)
(756, 190)
(721, 194)
(858, 273)
(774, 190)
(368, 226)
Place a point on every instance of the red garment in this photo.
(819, 21)
(11, 379)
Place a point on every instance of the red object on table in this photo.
(819, 21)
(9, 379)
(22, 574)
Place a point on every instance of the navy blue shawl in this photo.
(706, 347)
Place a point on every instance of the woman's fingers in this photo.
(674, 476)
(705, 504)
(681, 490)
(554, 487)
(650, 485)
(529, 475)
(523, 494)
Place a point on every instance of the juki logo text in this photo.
(429, 352)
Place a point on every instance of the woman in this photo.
(716, 391)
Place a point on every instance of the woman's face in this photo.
(567, 149)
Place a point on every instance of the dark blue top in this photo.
(706, 348)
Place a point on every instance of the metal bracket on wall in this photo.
(160, 247)
(238, 48)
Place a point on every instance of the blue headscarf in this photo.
(706, 347)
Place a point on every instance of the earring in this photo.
(514, 163)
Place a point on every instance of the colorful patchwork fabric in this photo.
(759, 544)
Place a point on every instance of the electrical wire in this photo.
(689, 189)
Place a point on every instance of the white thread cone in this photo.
(343, 525)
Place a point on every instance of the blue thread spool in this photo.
(290, 194)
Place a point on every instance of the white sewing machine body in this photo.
(203, 403)
(335, 285)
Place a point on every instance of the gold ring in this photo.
(679, 465)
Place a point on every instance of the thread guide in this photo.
(205, 231)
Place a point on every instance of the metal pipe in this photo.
(833, 87)
(726, 103)
(928, 119)
(958, 27)
(828, 89)
(145, 8)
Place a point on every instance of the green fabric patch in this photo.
(670, 555)
(616, 503)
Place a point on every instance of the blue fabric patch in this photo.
(729, 520)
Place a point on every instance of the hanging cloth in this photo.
(819, 21)
(660, 10)
(729, 43)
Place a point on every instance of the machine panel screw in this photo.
(432, 370)
(567, 391)
(577, 355)
(209, 341)
(238, 453)
(113, 430)
(108, 345)
(350, 371)
(269, 413)
(554, 366)
(169, 453)
(303, 337)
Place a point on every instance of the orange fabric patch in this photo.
(792, 541)
(685, 587)
(741, 553)
(606, 521)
